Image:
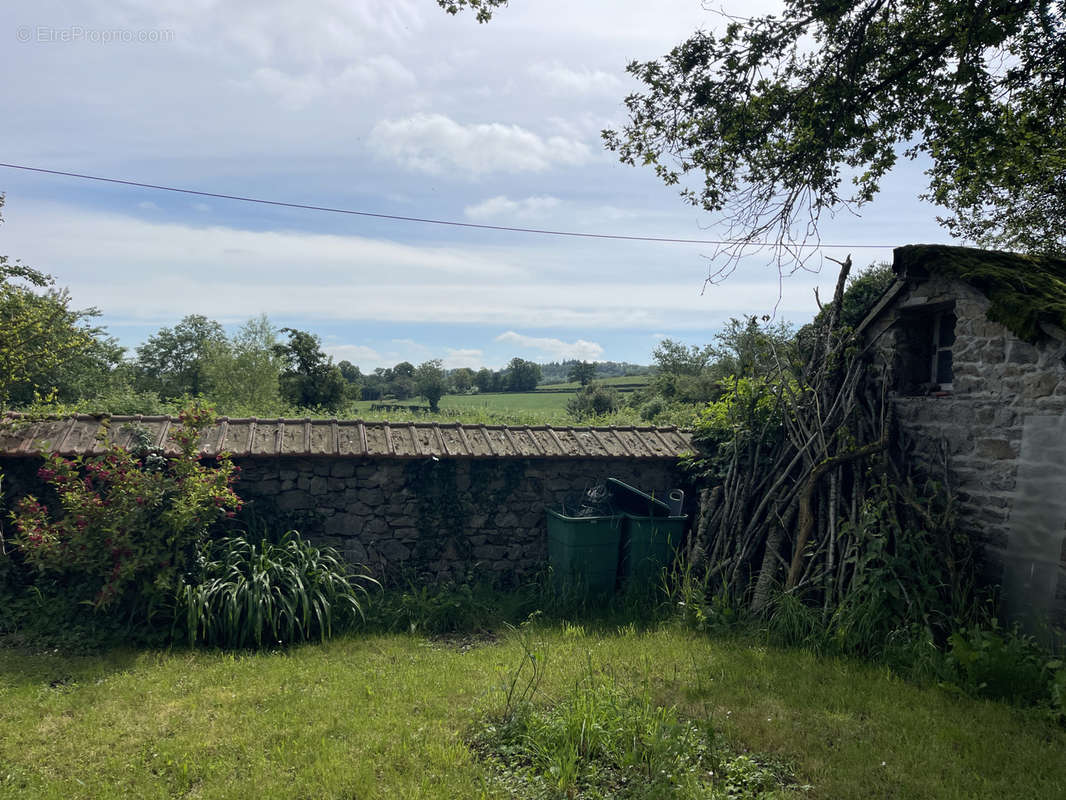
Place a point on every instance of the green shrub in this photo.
(128, 523)
(594, 400)
(1002, 665)
(250, 595)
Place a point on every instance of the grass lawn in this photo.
(391, 717)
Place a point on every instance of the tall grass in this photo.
(269, 593)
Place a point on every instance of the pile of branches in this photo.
(789, 506)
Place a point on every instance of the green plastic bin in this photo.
(648, 545)
(583, 551)
(630, 500)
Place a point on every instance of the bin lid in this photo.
(635, 502)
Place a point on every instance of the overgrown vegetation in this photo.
(243, 594)
(127, 524)
(125, 544)
(605, 738)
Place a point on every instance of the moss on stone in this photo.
(1024, 290)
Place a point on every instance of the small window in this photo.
(944, 327)
(923, 350)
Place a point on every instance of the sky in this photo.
(392, 107)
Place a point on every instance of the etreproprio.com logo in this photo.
(46, 34)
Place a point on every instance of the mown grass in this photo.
(394, 716)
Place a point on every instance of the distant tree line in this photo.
(52, 353)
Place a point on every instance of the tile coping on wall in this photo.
(86, 434)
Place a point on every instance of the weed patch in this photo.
(608, 738)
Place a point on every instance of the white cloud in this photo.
(297, 89)
(436, 144)
(148, 205)
(560, 79)
(503, 206)
(557, 348)
(358, 354)
(456, 358)
(135, 270)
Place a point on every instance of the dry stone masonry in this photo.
(410, 500)
(992, 423)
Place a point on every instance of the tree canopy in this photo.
(173, 362)
(431, 382)
(310, 379)
(780, 113)
(785, 117)
(42, 335)
(581, 372)
(522, 375)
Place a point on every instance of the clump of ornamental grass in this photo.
(249, 595)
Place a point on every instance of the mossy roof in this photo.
(1024, 290)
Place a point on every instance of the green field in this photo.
(504, 408)
(393, 717)
(508, 401)
(621, 382)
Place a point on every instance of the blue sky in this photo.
(392, 107)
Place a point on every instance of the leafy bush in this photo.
(594, 400)
(249, 595)
(129, 523)
(1003, 665)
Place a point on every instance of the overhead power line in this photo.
(424, 220)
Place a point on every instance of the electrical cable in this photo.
(425, 220)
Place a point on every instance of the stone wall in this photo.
(997, 438)
(435, 518)
(417, 518)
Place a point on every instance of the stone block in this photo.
(372, 497)
(321, 466)
(318, 486)
(393, 551)
(1021, 352)
(994, 350)
(507, 520)
(490, 552)
(294, 500)
(342, 468)
(342, 525)
(354, 551)
(1039, 384)
(303, 483)
(995, 448)
(375, 526)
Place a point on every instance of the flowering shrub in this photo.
(128, 522)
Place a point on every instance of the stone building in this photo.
(970, 345)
